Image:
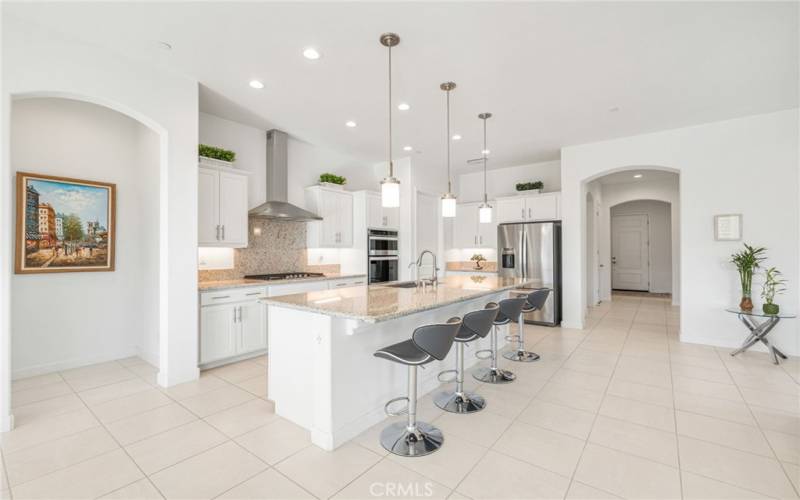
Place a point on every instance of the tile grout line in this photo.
(675, 423)
(763, 434)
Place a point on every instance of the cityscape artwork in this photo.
(64, 225)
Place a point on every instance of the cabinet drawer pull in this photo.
(221, 297)
(254, 293)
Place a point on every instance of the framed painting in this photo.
(64, 225)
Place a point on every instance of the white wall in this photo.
(39, 62)
(503, 181)
(90, 317)
(736, 166)
(660, 247)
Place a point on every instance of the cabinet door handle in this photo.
(234, 315)
(523, 213)
(217, 232)
(223, 232)
(529, 216)
(481, 238)
(221, 297)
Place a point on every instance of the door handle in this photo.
(529, 214)
(613, 260)
(217, 232)
(475, 240)
(223, 232)
(481, 239)
(523, 213)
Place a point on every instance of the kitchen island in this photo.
(322, 372)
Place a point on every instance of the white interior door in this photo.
(427, 237)
(630, 261)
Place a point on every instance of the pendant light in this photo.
(448, 199)
(485, 210)
(390, 186)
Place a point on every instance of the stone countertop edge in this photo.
(387, 317)
(209, 286)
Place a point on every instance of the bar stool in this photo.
(534, 301)
(427, 343)
(510, 309)
(475, 324)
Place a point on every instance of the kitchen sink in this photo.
(403, 284)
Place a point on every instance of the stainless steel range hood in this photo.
(276, 207)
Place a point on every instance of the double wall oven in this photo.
(383, 255)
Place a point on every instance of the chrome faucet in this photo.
(434, 280)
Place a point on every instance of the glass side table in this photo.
(759, 330)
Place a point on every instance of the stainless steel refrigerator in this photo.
(533, 250)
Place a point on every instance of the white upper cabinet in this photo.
(379, 217)
(469, 232)
(222, 208)
(335, 230)
(537, 207)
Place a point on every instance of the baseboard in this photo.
(6, 423)
(68, 364)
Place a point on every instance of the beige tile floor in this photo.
(619, 410)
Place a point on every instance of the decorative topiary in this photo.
(216, 153)
(332, 178)
(528, 186)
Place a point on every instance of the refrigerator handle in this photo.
(522, 253)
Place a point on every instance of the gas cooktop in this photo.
(284, 276)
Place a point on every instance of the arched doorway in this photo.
(591, 252)
(61, 322)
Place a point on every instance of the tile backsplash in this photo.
(273, 247)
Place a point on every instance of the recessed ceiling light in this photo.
(403, 106)
(350, 123)
(613, 110)
(256, 84)
(456, 137)
(407, 148)
(311, 53)
(638, 176)
(485, 152)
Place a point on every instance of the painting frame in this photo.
(21, 241)
(728, 227)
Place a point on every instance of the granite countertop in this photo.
(205, 286)
(376, 303)
(486, 271)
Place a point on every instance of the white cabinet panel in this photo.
(253, 327)
(511, 210)
(335, 230)
(487, 234)
(542, 207)
(233, 208)
(288, 289)
(222, 208)
(466, 226)
(208, 207)
(218, 332)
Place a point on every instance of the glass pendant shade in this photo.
(485, 213)
(390, 193)
(448, 205)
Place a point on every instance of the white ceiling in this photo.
(549, 72)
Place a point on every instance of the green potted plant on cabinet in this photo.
(528, 187)
(332, 180)
(213, 155)
(746, 261)
(773, 285)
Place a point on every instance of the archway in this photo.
(592, 296)
(613, 187)
(91, 317)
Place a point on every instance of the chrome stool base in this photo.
(522, 356)
(399, 440)
(455, 403)
(493, 376)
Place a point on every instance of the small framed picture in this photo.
(728, 227)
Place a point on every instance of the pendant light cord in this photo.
(449, 184)
(391, 163)
(485, 198)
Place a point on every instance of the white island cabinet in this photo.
(322, 372)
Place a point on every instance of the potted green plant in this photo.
(525, 187)
(773, 285)
(478, 258)
(213, 155)
(746, 261)
(332, 180)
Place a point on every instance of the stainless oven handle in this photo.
(383, 238)
(385, 258)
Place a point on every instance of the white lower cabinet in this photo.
(233, 323)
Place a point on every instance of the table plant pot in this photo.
(746, 304)
(771, 308)
(746, 261)
(773, 285)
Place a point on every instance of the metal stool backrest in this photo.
(436, 340)
(480, 322)
(536, 299)
(510, 309)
